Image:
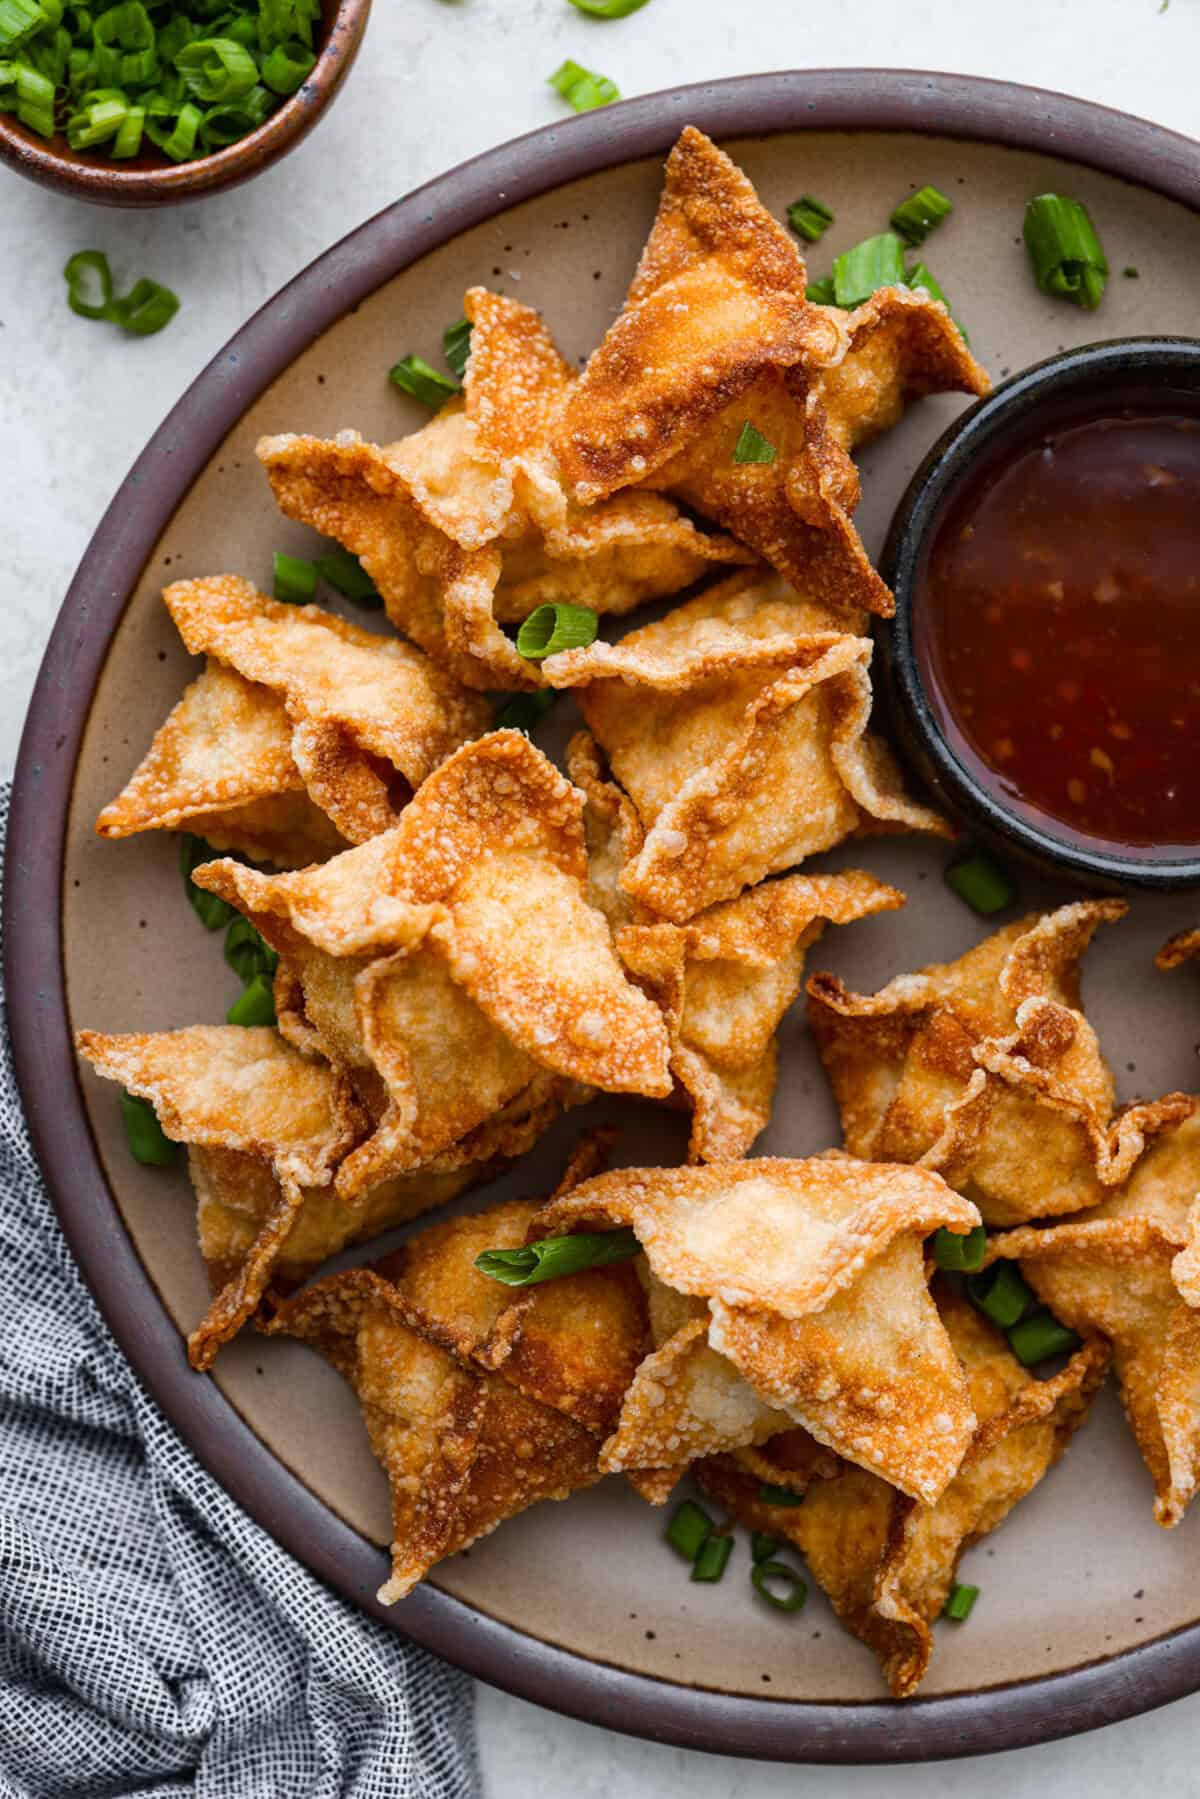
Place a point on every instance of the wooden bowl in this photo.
(150, 179)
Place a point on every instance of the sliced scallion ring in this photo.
(295, 580)
(148, 1142)
(752, 446)
(553, 1257)
(413, 375)
(780, 1585)
(554, 627)
(920, 214)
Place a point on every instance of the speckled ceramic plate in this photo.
(1089, 1611)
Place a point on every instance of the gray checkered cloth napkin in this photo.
(153, 1640)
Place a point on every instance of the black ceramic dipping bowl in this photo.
(1144, 374)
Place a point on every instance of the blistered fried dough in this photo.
(1185, 947)
(724, 982)
(455, 960)
(887, 1562)
(1130, 1269)
(902, 346)
(717, 303)
(987, 1070)
(364, 709)
(737, 726)
(817, 1311)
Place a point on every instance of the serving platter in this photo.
(1090, 1612)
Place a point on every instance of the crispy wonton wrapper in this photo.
(809, 1304)
(465, 525)
(1130, 1269)
(716, 332)
(1185, 947)
(724, 982)
(986, 1070)
(453, 961)
(737, 726)
(887, 1562)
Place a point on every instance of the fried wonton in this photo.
(1130, 1269)
(737, 727)
(717, 334)
(808, 1303)
(454, 961)
(987, 1070)
(1185, 947)
(724, 982)
(887, 1562)
(465, 526)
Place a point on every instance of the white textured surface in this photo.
(439, 80)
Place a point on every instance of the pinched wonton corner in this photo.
(888, 1563)
(724, 982)
(716, 333)
(1130, 1269)
(454, 964)
(465, 527)
(737, 726)
(808, 1304)
(297, 713)
(479, 1402)
(986, 1070)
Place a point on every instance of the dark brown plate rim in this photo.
(1001, 1717)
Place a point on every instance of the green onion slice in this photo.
(689, 1529)
(210, 908)
(554, 627)
(295, 579)
(920, 214)
(554, 1257)
(19, 20)
(960, 1255)
(1067, 257)
(609, 9)
(876, 262)
(1040, 1336)
(712, 1558)
(769, 1494)
(148, 1142)
(217, 68)
(809, 218)
(146, 308)
(347, 574)
(582, 88)
(256, 1004)
(87, 272)
(522, 711)
(414, 376)
(920, 276)
(780, 1585)
(982, 883)
(456, 345)
(959, 1604)
(752, 446)
(821, 292)
(287, 67)
(1001, 1294)
(246, 952)
(762, 1546)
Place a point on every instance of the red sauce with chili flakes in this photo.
(1059, 629)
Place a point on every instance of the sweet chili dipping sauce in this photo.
(1059, 636)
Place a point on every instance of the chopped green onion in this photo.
(959, 1604)
(780, 1585)
(287, 67)
(415, 377)
(1040, 1336)
(769, 1494)
(522, 711)
(982, 883)
(210, 908)
(689, 1529)
(1130, 273)
(960, 1254)
(554, 627)
(822, 292)
(234, 119)
(920, 214)
(102, 119)
(128, 142)
(35, 99)
(256, 1004)
(1001, 1294)
(582, 88)
(295, 579)
(554, 1257)
(876, 262)
(609, 9)
(217, 68)
(752, 446)
(456, 345)
(347, 574)
(19, 20)
(247, 953)
(146, 308)
(179, 144)
(809, 218)
(920, 276)
(1066, 254)
(88, 271)
(148, 1142)
(762, 1546)
(712, 1558)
